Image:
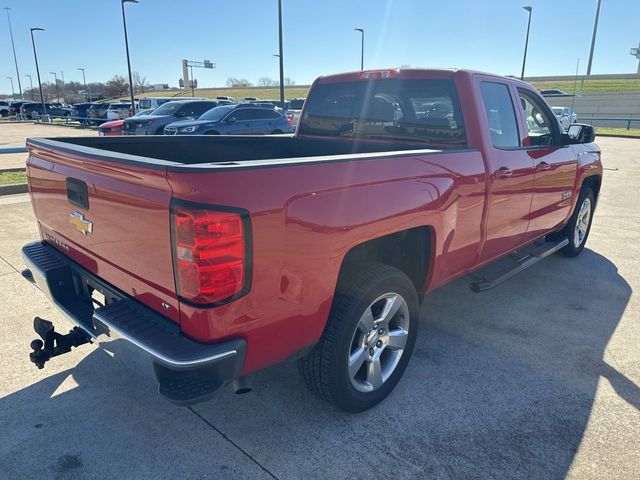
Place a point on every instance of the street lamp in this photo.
(31, 82)
(56, 79)
(526, 43)
(593, 38)
(87, 94)
(15, 59)
(281, 55)
(35, 55)
(126, 44)
(361, 30)
(13, 92)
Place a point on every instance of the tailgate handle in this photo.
(77, 193)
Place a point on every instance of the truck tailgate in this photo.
(120, 231)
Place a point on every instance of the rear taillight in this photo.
(290, 119)
(211, 252)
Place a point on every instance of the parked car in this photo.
(114, 127)
(5, 110)
(146, 103)
(165, 114)
(295, 107)
(118, 111)
(14, 107)
(565, 115)
(80, 111)
(33, 110)
(226, 98)
(97, 113)
(215, 257)
(554, 92)
(239, 119)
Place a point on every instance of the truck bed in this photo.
(225, 151)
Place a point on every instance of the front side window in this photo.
(501, 116)
(540, 123)
(393, 109)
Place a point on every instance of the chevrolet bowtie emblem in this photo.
(83, 225)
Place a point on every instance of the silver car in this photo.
(565, 115)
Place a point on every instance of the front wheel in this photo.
(368, 339)
(579, 225)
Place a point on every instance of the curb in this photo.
(12, 170)
(13, 189)
(615, 135)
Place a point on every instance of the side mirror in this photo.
(580, 133)
(231, 120)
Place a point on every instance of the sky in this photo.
(241, 37)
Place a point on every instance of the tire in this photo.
(372, 288)
(577, 239)
(4, 113)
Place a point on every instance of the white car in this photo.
(4, 109)
(565, 115)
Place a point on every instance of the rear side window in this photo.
(407, 110)
(501, 116)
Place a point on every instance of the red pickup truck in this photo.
(215, 257)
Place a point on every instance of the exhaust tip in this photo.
(240, 386)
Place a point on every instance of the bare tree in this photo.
(289, 81)
(139, 82)
(116, 87)
(231, 81)
(266, 82)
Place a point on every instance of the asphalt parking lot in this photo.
(538, 378)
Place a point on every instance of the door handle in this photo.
(543, 166)
(503, 172)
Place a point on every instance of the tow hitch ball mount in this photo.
(53, 343)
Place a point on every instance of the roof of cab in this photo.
(409, 74)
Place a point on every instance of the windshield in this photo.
(216, 114)
(410, 110)
(168, 108)
(296, 104)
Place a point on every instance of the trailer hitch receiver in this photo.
(53, 343)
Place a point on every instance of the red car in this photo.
(217, 256)
(111, 128)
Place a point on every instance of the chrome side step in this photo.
(518, 264)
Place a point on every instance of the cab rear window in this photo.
(392, 109)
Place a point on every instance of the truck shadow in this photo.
(501, 384)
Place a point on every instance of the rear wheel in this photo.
(368, 339)
(579, 225)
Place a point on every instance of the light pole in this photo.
(31, 82)
(361, 30)
(593, 38)
(87, 95)
(126, 44)
(56, 80)
(193, 92)
(15, 59)
(35, 55)
(526, 43)
(280, 54)
(13, 92)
